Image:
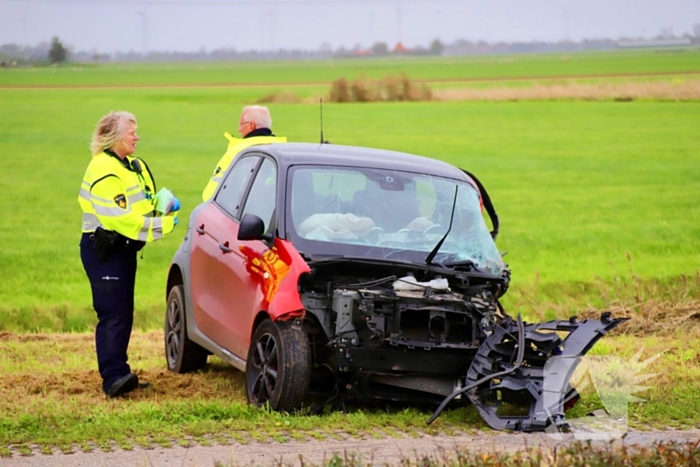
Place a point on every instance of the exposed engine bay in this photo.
(433, 334)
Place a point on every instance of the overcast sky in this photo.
(189, 25)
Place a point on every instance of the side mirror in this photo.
(253, 228)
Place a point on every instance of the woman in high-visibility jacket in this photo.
(117, 197)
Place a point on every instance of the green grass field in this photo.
(580, 187)
(324, 71)
(587, 191)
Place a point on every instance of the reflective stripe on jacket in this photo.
(235, 145)
(121, 199)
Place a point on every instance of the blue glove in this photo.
(176, 205)
(176, 220)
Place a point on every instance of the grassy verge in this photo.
(576, 455)
(52, 398)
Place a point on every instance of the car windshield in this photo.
(388, 214)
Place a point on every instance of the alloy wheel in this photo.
(264, 368)
(172, 339)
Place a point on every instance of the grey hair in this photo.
(257, 114)
(110, 130)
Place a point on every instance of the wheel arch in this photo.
(174, 278)
(259, 318)
(264, 315)
(182, 354)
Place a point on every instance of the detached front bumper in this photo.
(537, 388)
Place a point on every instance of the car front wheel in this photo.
(278, 369)
(182, 355)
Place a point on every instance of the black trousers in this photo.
(112, 283)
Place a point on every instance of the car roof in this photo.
(289, 154)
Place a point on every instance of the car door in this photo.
(249, 298)
(216, 264)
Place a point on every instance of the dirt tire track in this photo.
(309, 84)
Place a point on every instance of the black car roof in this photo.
(288, 154)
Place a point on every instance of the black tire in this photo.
(278, 370)
(181, 354)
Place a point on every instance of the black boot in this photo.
(123, 385)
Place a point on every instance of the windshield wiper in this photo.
(431, 255)
(315, 259)
(318, 259)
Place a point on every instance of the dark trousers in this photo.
(112, 283)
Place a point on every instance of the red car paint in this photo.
(233, 281)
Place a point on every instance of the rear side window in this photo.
(230, 194)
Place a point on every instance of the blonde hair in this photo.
(257, 114)
(110, 130)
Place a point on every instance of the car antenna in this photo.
(321, 109)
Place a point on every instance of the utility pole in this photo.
(398, 22)
(262, 33)
(144, 31)
(24, 30)
(271, 25)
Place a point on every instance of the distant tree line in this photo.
(56, 53)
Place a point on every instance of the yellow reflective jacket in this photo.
(121, 199)
(235, 145)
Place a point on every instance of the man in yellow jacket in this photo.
(118, 199)
(255, 128)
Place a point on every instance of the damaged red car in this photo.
(334, 273)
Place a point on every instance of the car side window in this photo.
(262, 197)
(231, 192)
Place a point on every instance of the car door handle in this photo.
(224, 247)
(200, 229)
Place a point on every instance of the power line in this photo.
(247, 3)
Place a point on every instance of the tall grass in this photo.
(677, 90)
(390, 89)
(577, 454)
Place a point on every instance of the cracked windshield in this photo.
(391, 212)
